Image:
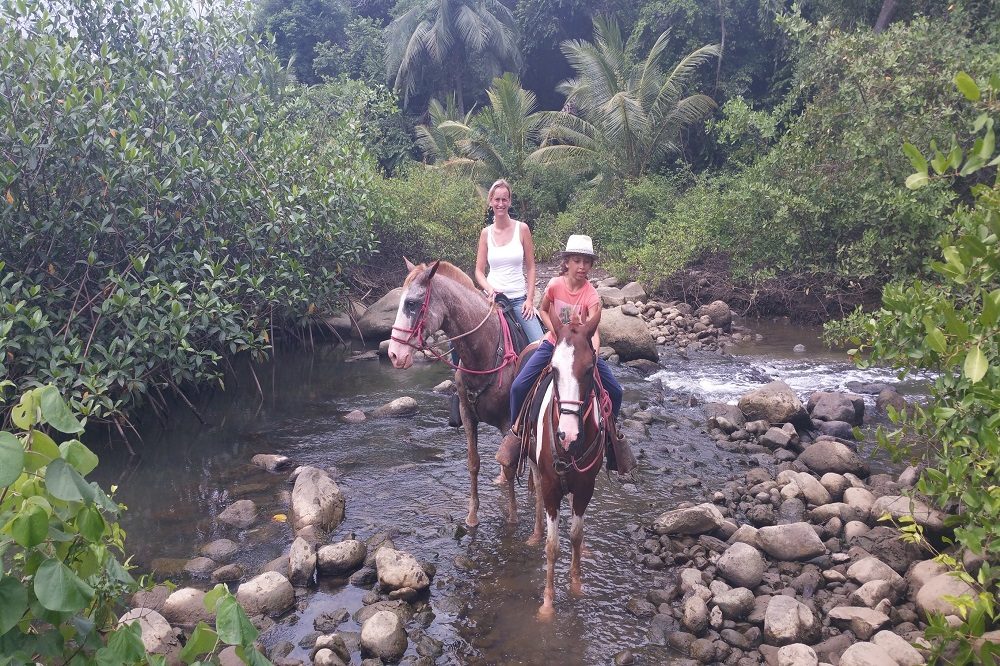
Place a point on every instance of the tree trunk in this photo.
(885, 16)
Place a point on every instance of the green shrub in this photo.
(432, 215)
(64, 577)
(164, 202)
(950, 324)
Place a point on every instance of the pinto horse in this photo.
(441, 296)
(568, 446)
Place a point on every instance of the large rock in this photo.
(376, 323)
(829, 455)
(742, 565)
(186, 607)
(694, 520)
(916, 576)
(241, 514)
(611, 297)
(628, 336)
(341, 558)
(797, 654)
(864, 622)
(270, 593)
(774, 402)
(272, 462)
(886, 544)
(404, 406)
(695, 618)
(812, 489)
(731, 414)
(301, 563)
(866, 654)
(398, 570)
(735, 604)
(830, 406)
(383, 636)
(931, 597)
(633, 291)
(157, 635)
(904, 653)
(719, 314)
(872, 568)
(899, 506)
(797, 541)
(316, 501)
(787, 621)
(220, 550)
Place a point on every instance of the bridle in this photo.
(564, 462)
(505, 350)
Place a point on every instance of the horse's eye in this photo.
(411, 306)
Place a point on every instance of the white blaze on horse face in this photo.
(569, 391)
(401, 354)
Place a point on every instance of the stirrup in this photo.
(454, 411)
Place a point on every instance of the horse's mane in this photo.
(445, 268)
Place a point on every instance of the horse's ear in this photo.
(590, 324)
(557, 325)
(409, 264)
(433, 269)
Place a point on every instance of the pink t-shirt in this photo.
(565, 304)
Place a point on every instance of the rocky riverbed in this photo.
(804, 512)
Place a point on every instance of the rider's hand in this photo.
(527, 310)
(491, 296)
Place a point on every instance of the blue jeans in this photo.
(532, 327)
(528, 375)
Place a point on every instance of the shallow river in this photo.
(408, 477)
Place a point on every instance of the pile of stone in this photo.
(398, 583)
(801, 565)
(709, 327)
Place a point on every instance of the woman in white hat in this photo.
(567, 296)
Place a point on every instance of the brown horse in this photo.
(568, 447)
(441, 296)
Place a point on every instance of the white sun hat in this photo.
(579, 244)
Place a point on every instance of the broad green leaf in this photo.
(124, 646)
(59, 589)
(213, 596)
(233, 625)
(41, 452)
(11, 459)
(13, 603)
(989, 143)
(79, 456)
(251, 656)
(935, 340)
(65, 483)
(203, 641)
(976, 365)
(967, 86)
(30, 526)
(916, 159)
(991, 308)
(90, 522)
(56, 413)
(917, 180)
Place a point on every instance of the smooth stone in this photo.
(866, 654)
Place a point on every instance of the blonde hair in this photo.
(487, 213)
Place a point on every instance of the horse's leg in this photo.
(581, 498)
(547, 611)
(472, 439)
(536, 534)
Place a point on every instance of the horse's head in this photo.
(573, 363)
(417, 315)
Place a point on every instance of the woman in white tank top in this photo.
(507, 249)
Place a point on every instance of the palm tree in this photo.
(437, 39)
(622, 116)
(437, 145)
(500, 139)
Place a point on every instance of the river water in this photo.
(408, 477)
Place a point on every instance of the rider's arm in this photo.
(595, 311)
(529, 269)
(543, 310)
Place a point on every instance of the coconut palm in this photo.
(437, 39)
(623, 116)
(437, 145)
(499, 140)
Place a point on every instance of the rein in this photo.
(418, 331)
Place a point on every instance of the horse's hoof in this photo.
(546, 613)
(534, 540)
(472, 520)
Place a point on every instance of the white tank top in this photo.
(506, 264)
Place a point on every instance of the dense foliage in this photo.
(950, 323)
(166, 202)
(64, 572)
